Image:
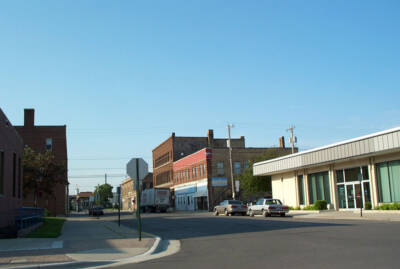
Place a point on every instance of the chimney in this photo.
(210, 137)
(29, 117)
(282, 142)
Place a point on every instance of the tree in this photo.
(41, 173)
(102, 194)
(257, 185)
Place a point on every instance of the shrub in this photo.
(309, 207)
(46, 213)
(394, 206)
(368, 206)
(320, 205)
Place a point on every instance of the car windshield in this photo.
(273, 202)
(235, 202)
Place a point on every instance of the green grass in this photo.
(51, 228)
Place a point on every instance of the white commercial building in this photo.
(347, 175)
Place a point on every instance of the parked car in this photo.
(268, 207)
(230, 207)
(96, 211)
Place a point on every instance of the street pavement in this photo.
(302, 241)
(85, 241)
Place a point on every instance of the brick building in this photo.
(11, 156)
(128, 195)
(197, 169)
(177, 147)
(40, 139)
(128, 191)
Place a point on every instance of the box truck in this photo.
(155, 200)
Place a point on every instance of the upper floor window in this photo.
(49, 144)
(220, 168)
(237, 168)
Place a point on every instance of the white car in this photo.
(267, 207)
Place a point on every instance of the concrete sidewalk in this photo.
(83, 239)
(374, 215)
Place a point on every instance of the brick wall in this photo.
(11, 174)
(35, 137)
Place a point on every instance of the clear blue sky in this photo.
(124, 75)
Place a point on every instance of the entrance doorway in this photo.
(353, 187)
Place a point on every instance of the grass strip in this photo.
(51, 228)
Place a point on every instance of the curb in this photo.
(173, 246)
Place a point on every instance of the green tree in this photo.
(41, 173)
(256, 185)
(102, 194)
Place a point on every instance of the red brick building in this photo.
(11, 154)
(40, 139)
(197, 169)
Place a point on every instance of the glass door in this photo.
(350, 195)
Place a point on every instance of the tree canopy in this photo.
(41, 173)
(254, 185)
(102, 194)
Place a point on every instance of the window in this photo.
(14, 173)
(389, 181)
(318, 185)
(237, 168)
(1, 172)
(352, 174)
(245, 164)
(49, 144)
(19, 177)
(300, 183)
(220, 168)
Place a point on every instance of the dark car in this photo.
(96, 211)
(230, 207)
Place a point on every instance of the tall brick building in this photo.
(197, 169)
(11, 154)
(41, 139)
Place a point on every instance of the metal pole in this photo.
(119, 206)
(138, 200)
(230, 160)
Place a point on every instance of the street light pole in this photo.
(230, 160)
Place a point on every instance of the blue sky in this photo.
(124, 75)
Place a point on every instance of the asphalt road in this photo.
(244, 242)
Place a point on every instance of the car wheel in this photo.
(251, 213)
(264, 214)
(216, 212)
(226, 213)
(283, 214)
(244, 214)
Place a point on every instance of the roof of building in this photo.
(85, 194)
(363, 146)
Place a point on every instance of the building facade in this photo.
(11, 174)
(128, 195)
(203, 179)
(348, 175)
(176, 147)
(41, 139)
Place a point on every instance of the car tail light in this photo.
(233, 206)
(244, 206)
(285, 207)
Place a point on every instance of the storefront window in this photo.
(319, 187)
(300, 182)
(389, 181)
(353, 174)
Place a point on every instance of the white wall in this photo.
(284, 189)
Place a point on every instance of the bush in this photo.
(320, 205)
(46, 213)
(309, 207)
(368, 206)
(394, 206)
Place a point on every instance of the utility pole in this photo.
(292, 139)
(230, 160)
(105, 178)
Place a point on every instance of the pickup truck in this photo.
(267, 207)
